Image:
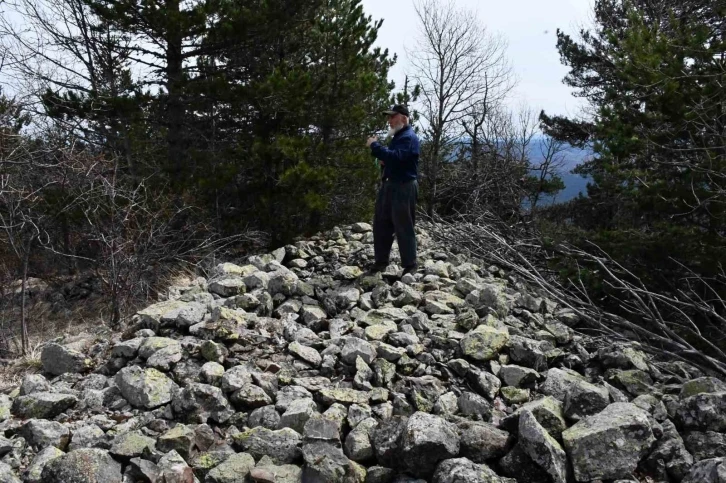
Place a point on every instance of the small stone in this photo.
(131, 445)
(180, 438)
(297, 414)
(354, 348)
(308, 354)
(40, 433)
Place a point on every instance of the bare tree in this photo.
(544, 177)
(458, 64)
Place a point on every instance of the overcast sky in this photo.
(529, 27)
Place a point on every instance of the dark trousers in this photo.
(395, 215)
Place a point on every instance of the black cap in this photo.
(397, 109)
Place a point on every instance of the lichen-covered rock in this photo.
(31, 383)
(704, 411)
(548, 412)
(144, 388)
(484, 342)
(307, 354)
(180, 438)
(283, 445)
(326, 462)
(707, 471)
(462, 470)
(584, 399)
(5, 405)
(234, 469)
(131, 445)
(610, 444)
(705, 444)
(481, 442)
(426, 440)
(198, 403)
(57, 360)
(42, 405)
(702, 385)
(40, 433)
(542, 448)
(34, 472)
(344, 396)
(7, 475)
(87, 465)
(354, 348)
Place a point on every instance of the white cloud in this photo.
(528, 25)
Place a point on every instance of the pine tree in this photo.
(653, 73)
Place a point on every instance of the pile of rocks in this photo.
(298, 366)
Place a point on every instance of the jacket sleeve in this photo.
(394, 154)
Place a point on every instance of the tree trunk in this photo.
(25, 342)
(174, 107)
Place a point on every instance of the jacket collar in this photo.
(403, 130)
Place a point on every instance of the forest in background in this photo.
(142, 138)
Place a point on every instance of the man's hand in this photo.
(371, 140)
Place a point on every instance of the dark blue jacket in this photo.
(401, 155)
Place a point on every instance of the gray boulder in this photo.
(326, 463)
(34, 383)
(34, 472)
(585, 399)
(40, 433)
(705, 444)
(88, 436)
(131, 445)
(704, 412)
(610, 444)
(234, 469)
(707, 471)
(427, 439)
(462, 470)
(283, 445)
(58, 359)
(144, 388)
(481, 442)
(87, 465)
(42, 405)
(297, 414)
(542, 448)
(266, 416)
(198, 403)
(7, 475)
(387, 440)
(354, 348)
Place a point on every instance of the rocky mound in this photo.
(297, 366)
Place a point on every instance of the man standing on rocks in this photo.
(395, 211)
